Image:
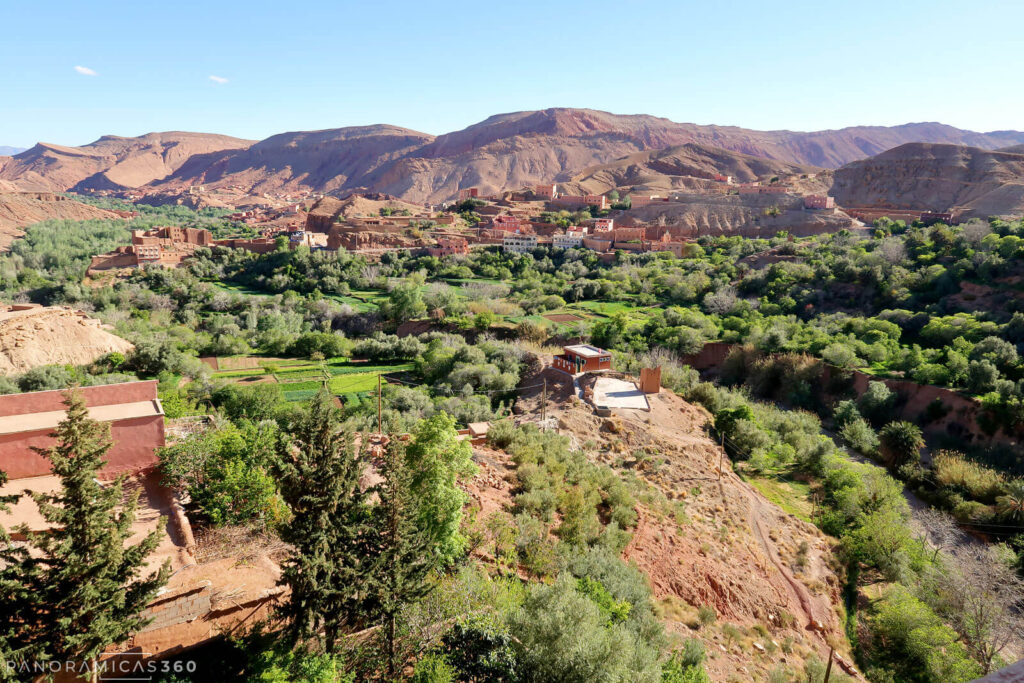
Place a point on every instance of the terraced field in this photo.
(301, 380)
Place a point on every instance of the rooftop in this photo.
(585, 350)
(12, 424)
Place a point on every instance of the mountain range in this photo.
(502, 152)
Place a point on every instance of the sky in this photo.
(71, 71)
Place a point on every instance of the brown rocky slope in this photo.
(31, 336)
(504, 151)
(701, 539)
(971, 182)
(112, 162)
(689, 166)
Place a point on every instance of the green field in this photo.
(300, 380)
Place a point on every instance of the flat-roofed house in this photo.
(132, 410)
(570, 240)
(519, 244)
(582, 358)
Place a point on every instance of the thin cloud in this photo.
(85, 71)
(219, 79)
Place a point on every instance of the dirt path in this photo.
(755, 512)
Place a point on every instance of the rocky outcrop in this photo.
(968, 181)
(31, 336)
(112, 162)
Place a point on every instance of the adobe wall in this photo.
(134, 443)
(102, 395)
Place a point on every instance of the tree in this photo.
(437, 459)
(403, 562)
(405, 302)
(330, 525)
(979, 594)
(981, 376)
(78, 588)
(900, 442)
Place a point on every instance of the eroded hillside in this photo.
(701, 540)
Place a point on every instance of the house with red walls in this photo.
(132, 410)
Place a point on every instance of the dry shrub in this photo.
(240, 543)
(977, 481)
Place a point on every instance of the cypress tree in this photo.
(14, 598)
(76, 587)
(329, 528)
(403, 563)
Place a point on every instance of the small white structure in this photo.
(569, 240)
(518, 243)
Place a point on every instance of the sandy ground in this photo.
(616, 393)
(153, 513)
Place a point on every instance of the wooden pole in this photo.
(544, 406)
(721, 454)
(379, 429)
(828, 669)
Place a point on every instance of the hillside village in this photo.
(676, 414)
(517, 221)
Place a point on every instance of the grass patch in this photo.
(792, 495)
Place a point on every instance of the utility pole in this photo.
(721, 454)
(828, 669)
(544, 406)
(379, 428)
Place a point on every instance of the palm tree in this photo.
(1011, 505)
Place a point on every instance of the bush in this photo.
(861, 437)
(686, 665)
(845, 413)
(563, 636)
(917, 641)
(225, 473)
(433, 668)
(876, 403)
(706, 615)
(328, 344)
(477, 651)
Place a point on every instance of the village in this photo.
(517, 221)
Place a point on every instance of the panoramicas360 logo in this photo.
(125, 666)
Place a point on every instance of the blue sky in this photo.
(439, 66)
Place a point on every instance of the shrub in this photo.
(845, 412)
(918, 641)
(686, 665)
(433, 668)
(706, 614)
(224, 471)
(477, 651)
(876, 402)
(563, 636)
(861, 437)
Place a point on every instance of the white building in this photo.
(518, 243)
(570, 240)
